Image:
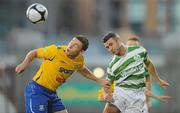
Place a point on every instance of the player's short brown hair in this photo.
(110, 35)
(83, 40)
(134, 38)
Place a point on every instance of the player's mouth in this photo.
(67, 50)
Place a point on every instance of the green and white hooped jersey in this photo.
(129, 71)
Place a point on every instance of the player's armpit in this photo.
(147, 62)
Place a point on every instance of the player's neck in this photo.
(122, 50)
(72, 56)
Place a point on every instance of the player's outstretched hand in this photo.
(163, 98)
(105, 83)
(20, 68)
(163, 83)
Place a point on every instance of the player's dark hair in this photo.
(134, 38)
(84, 41)
(110, 35)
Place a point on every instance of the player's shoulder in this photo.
(80, 58)
(131, 48)
(61, 47)
(114, 59)
(138, 47)
(64, 47)
(54, 47)
(143, 48)
(51, 46)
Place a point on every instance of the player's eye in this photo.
(72, 42)
(110, 44)
(76, 46)
(107, 47)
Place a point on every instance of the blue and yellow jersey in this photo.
(55, 66)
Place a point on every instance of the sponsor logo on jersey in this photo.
(60, 79)
(137, 58)
(62, 61)
(41, 107)
(66, 71)
(132, 70)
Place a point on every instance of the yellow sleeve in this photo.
(101, 93)
(47, 52)
(82, 64)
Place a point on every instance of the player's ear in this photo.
(81, 52)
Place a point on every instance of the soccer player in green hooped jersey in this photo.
(135, 41)
(127, 70)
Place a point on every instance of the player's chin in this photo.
(113, 52)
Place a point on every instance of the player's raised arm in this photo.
(88, 74)
(28, 59)
(152, 69)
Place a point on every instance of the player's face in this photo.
(132, 43)
(74, 47)
(112, 45)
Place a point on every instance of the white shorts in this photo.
(129, 101)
